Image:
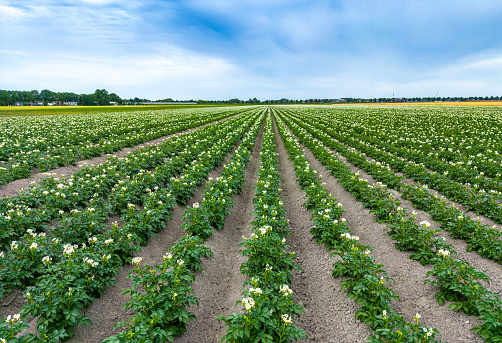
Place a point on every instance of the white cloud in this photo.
(10, 13)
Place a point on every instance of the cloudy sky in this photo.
(269, 49)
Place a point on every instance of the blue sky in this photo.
(213, 49)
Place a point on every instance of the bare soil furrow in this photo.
(415, 297)
(106, 311)
(219, 286)
(490, 267)
(15, 187)
(329, 314)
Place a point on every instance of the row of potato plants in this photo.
(462, 171)
(269, 307)
(365, 280)
(451, 157)
(482, 238)
(79, 224)
(35, 207)
(464, 137)
(92, 262)
(162, 305)
(74, 278)
(473, 195)
(63, 140)
(456, 280)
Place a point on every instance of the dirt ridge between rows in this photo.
(15, 187)
(408, 274)
(329, 314)
(219, 286)
(107, 310)
(488, 266)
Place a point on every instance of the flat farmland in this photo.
(253, 224)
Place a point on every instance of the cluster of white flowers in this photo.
(248, 303)
(13, 319)
(265, 229)
(268, 268)
(425, 223)
(428, 332)
(285, 290)
(168, 256)
(14, 245)
(196, 205)
(33, 246)
(180, 262)
(93, 240)
(47, 260)
(255, 290)
(108, 241)
(347, 236)
(286, 318)
(136, 260)
(443, 252)
(68, 249)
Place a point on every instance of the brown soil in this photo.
(408, 274)
(13, 188)
(106, 311)
(329, 316)
(219, 286)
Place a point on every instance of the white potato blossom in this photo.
(285, 290)
(255, 290)
(443, 252)
(14, 245)
(286, 318)
(136, 260)
(13, 319)
(425, 223)
(68, 249)
(108, 241)
(265, 229)
(248, 303)
(47, 260)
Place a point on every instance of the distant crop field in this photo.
(339, 223)
(9, 111)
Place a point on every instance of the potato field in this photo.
(253, 224)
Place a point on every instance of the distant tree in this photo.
(102, 97)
